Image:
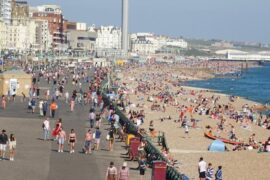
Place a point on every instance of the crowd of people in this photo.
(163, 92)
(206, 172)
(47, 103)
(159, 88)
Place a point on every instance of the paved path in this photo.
(40, 160)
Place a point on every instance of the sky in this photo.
(237, 20)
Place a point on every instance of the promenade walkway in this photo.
(39, 160)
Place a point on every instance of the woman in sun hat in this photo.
(124, 172)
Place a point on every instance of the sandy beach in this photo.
(146, 84)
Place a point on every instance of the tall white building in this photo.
(3, 34)
(21, 37)
(177, 43)
(146, 43)
(5, 10)
(143, 47)
(43, 37)
(108, 37)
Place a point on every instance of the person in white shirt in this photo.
(57, 93)
(46, 129)
(92, 118)
(12, 147)
(41, 108)
(67, 97)
(202, 169)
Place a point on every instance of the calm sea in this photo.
(253, 84)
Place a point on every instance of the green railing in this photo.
(172, 173)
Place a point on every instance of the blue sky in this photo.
(240, 20)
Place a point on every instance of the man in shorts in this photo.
(202, 169)
(87, 142)
(3, 144)
(61, 140)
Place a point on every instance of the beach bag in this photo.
(43, 125)
(94, 135)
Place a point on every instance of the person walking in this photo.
(124, 172)
(3, 144)
(41, 108)
(33, 105)
(53, 108)
(12, 147)
(57, 128)
(218, 174)
(186, 130)
(97, 138)
(72, 140)
(87, 142)
(72, 104)
(142, 167)
(111, 173)
(98, 120)
(45, 108)
(4, 102)
(111, 139)
(57, 93)
(95, 101)
(210, 172)
(67, 97)
(92, 117)
(202, 168)
(46, 129)
(116, 123)
(61, 140)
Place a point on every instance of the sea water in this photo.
(253, 84)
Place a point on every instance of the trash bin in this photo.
(134, 145)
(159, 170)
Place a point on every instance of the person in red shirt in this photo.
(57, 128)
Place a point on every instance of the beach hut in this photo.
(217, 146)
(15, 82)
